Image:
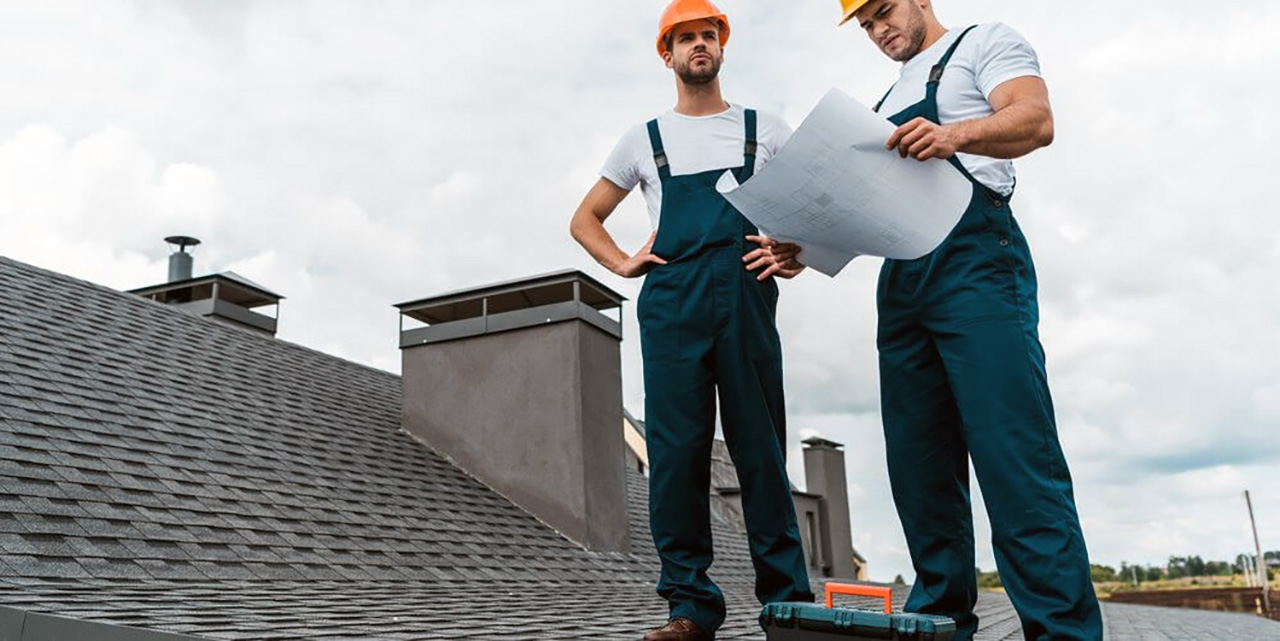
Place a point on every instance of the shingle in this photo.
(47, 545)
(148, 549)
(78, 492)
(61, 568)
(256, 553)
(115, 528)
(221, 535)
(16, 544)
(171, 570)
(225, 571)
(105, 547)
(101, 568)
(118, 511)
(54, 507)
(209, 552)
(11, 523)
(22, 565)
(25, 472)
(53, 524)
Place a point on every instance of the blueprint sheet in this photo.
(835, 191)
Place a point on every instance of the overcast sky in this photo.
(352, 154)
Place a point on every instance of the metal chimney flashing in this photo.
(499, 307)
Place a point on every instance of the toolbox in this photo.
(811, 622)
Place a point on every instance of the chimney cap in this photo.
(234, 288)
(435, 309)
(561, 296)
(817, 443)
(183, 242)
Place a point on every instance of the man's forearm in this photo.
(591, 234)
(1012, 132)
(587, 224)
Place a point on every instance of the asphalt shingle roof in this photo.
(167, 472)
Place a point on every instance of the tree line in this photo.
(1180, 567)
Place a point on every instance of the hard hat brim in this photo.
(848, 13)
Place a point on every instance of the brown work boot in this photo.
(678, 629)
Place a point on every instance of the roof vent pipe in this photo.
(180, 262)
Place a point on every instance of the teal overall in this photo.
(962, 376)
(707, 325)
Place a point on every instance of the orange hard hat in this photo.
(688, 11)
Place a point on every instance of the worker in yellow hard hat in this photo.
(706, 314)
(962, 370)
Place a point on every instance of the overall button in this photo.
(1004, 242)
(997, 202)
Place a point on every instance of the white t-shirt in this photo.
(693, 145)
(990, 55)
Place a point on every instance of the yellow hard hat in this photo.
(688, 11)
(851, 6)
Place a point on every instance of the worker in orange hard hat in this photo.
(706, 314)
(962, 370)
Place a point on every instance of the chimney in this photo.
(226, 297)
(824, 476)
(520, 384)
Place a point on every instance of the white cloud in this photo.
(93, 206)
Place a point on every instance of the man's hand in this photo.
(640, 264)
(922, 140)
(777, 258)
(1021, 124)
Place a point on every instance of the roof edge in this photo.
(21, 625)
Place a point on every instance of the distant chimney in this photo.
(825, 476)
(180, 262)
(520, 384)
(226, 297)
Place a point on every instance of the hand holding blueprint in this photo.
(835, 191)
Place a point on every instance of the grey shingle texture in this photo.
(162, 471)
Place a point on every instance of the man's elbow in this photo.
(580, 225)
(575, 227)
(1044, 132)
(1044, 137)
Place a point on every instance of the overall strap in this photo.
(931, 98)
(935, 74)
(749, 152)
(659, 156)
(886, 97)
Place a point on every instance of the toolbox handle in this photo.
(860, 590)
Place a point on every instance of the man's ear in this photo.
(669, 58)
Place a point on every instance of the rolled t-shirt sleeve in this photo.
(773, 134)
(1005, 55)
(622, 167)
